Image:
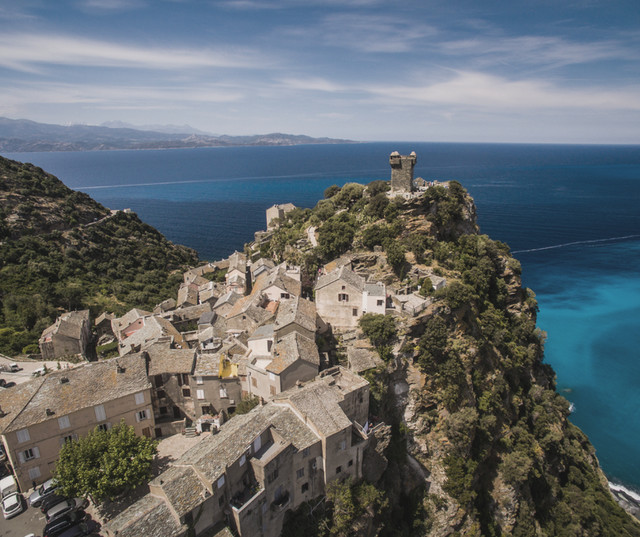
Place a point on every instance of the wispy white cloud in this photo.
(116, 97)
(537, 50)
(29, 52)
(111, 5)
(366, 32)
(480, 90)
(312, 84)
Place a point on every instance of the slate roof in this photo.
(164, 359)
(228, 298)
(291, 348)
(345, 274)
(183, 488)
(154, 328)
(207, 317)
(88, 385)
(282, 281)
(264, 331)
(362, 359)
(149, 516)
(374, 289)
(128, 318)
(298, 310)
(68, 324)
(207, 365)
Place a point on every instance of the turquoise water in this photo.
(569, 214)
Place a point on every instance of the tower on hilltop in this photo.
(402, 171)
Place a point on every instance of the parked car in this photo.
(50, 501)
(46, 489)
(84, 528)
(8, 485)
(63, 523)
(12, 505)
(64, 507)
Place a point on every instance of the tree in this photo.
(104, 464)
(380, 329)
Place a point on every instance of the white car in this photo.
(12, 505)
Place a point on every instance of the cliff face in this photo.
(480, 442)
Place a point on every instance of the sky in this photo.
(542, 71)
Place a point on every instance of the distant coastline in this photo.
(24, 136)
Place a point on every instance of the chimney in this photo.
(49, 412)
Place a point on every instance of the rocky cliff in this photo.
(477, 441)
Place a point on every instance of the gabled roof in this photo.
(164, 359)
(69, 324)
(361, 359)
(343, 273)
(128, 318)
(282, 281)
(228, 298)
(262, 332)
(148, 516)
(298, 310)
(374, 289)
(86, 386)
(291, 348)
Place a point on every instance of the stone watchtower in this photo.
(402, 171)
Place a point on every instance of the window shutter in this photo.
(200, 394)
(36, 452)
(23, 436)
(21, 457)
(63, 422)
(101, 415)
(140, 398)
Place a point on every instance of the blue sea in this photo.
(569, 213)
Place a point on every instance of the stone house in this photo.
(278, 285)
(342, 297)
(102, 324)
(296, 315)
(223, 305)
(69, 335)
(128, 323)
(39, 416)
(236, 276)
(187, 295)
(146, 331)
(169, 371)
(260, 465)
(293, 358)
(277, 212)
(215, 385)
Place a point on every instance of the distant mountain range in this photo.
(21, 135)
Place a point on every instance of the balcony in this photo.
(280, 503)
(246, 496)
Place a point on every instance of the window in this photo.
(305, 452)
(305, 487)
(300, 473)
(159, 381)
(161, 394)
(354, 312)
(23, 436)
(140, 398)
(257, 444)
(221, 482)
(379, 302)
(199, 380)
(141, 416)
(63, 422)
(223, 392)
(272, 376)
(344, 287)
(343, 445)
(69, 438)
(350, 463)
(34, 473)
(272, 476)
(343, 297)
(186, 392)
(103, 427)
(285, 295)
(338, 469)
(200, 394)
(101, 415)
(254, 382)
(185, 378)
(29, 454)
(163, 410)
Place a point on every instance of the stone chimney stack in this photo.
(402, 171)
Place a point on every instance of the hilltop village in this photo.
(370, 366)
(239, 330)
